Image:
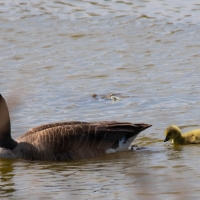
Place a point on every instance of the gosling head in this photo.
(172, 132)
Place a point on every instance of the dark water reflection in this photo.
(7, 185)
(55, 54)
(156, 171)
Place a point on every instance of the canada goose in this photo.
(174, 133)
(66, 140)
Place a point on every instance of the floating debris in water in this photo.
(114, 98)
(110, 96)
(94, 95)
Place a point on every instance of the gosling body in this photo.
(174, 133)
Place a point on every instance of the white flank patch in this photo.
(108, 151)
(123, 145)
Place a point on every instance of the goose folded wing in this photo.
(47, 126)
(81, 140)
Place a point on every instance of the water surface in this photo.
(55, 54)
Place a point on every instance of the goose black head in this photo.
(5, 126)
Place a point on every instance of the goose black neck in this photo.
(5, 127)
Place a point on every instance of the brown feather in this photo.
(73, 140)
(66, 140)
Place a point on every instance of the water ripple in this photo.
(55, 54)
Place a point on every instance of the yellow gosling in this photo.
(173, 132)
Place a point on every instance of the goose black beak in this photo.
(166, 139)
